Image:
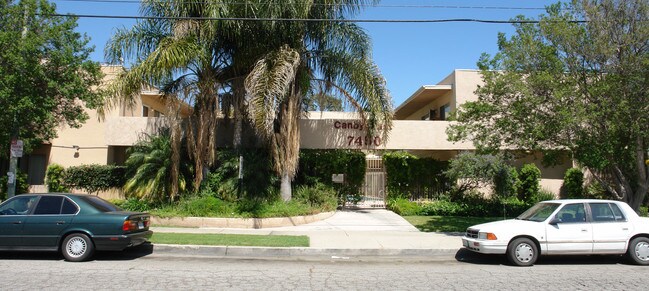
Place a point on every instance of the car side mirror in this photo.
(555, 221)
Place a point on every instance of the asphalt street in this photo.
(137, 270)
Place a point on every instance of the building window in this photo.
(156, 113)
(433, 114)
(145, 111)
(444, 111)
(425, 117)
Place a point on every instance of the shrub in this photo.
(595, 190)
(573, 183)
(319, 195)
(444, 208)
(257, 183)
(94, 178)
(150, 169)
(133, 204)
(404, 207)
(506, 182)
(530, 176)
(21, 184)
(55, 178)
(544, 195)
(643, 211)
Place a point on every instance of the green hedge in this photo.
(468, 208)
(317, 166)
(94, 178)
(412, 177)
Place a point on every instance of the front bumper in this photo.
(120, 242)
(484, 246)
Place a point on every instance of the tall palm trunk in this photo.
(239, 92)
(286, 142)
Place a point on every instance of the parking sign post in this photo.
(16, 152)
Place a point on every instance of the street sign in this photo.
(16, 148)
(338, 178)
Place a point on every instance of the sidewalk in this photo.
(348, 234)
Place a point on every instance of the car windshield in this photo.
(101, 204)
(539, 212)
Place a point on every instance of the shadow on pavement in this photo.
(466, 256)
(125, 255)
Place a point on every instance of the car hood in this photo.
(505, 224)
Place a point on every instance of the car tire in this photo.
(638, 251)
(522, 252)
(77, 247)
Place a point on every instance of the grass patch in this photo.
(231, 240)
(446, 223)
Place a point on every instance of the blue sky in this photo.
(409, 54)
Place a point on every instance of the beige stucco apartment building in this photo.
(419, 127)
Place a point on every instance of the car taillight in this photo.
(129, 225)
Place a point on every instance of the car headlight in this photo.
(487, 236)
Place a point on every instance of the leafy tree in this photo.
(149, 168)
(473, 170)
(44, 71)
(578, 81)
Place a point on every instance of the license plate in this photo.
(140, 225)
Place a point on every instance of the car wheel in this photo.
(77, 247)
(638, 250)
(522, 252)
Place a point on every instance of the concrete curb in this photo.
(255, 223)
(300, 253)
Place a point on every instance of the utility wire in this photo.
(324, 4)
(306, 20)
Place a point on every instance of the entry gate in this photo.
(374, 185)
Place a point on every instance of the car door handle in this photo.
(60, 222)
(17, 222)
(584, 230)
(625, 228)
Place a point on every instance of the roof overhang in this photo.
(420, 98)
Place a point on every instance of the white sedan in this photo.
(564, 227)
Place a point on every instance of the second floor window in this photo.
(444, 112)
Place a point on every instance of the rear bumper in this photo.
(120, 242)
(484, 246)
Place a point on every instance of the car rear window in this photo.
(69, 207)
(101, 204)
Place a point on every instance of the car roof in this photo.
(582, 201)
(56, 193)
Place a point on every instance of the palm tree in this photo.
(304, 56)
(178, 56)
(150, 169)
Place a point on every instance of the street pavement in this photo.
(365, 234)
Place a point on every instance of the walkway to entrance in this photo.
(352, 229)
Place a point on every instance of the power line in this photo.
(332, 4)
(306, 20)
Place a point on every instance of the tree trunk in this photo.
(285, 188)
